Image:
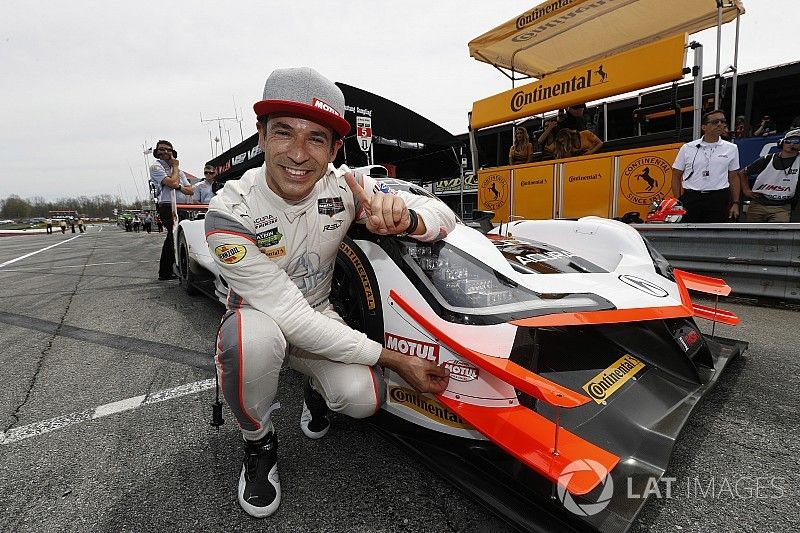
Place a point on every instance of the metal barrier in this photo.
(756, 260)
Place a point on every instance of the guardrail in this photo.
(756, 260)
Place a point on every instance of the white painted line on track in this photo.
(102, 264)
(59, 422)
(20, 258)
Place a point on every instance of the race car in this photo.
(573, 351)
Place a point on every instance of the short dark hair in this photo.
(712, 112)
(164, 142)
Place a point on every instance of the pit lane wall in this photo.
(609, 185)
(760, 261)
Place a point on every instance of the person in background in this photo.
(159, 223)
(741, 129)
(203, 190)
(48, 224)
(166, 176)
(571, 143)
(274, 234)
(63, 225)
(705, 174)
(72, 224)
(766, 128)
(573, 118)
(148, 222)
(547, 140)
(774, 192)
(522, 149)
(137, 222)
(81, 225)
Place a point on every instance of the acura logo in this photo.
(643, 285)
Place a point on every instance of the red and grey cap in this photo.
(304, 91)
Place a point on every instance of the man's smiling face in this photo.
(297, 152)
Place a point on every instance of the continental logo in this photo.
(609, 380)
(230, 253)
(541, 92)
(406, 346)
(427, 407)
(589, 177)
(494, 192)
(541, 11)
(274, 253)
(362, 274)
(644, 180)
(528, 183)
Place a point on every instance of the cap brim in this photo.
(337, 124)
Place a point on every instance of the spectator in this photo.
(148, 222)
(263, 230)
(137, 222)
(63, 225)
(710, 190)
(570, 143)
(159, 223)
(72, 223)
(573, 118)
(766, 128)
(166, 176)
(48, 224)
(81, 225)
(741, 128)
(203, 190)
(774, 193)
(547, 140)
(522, 149)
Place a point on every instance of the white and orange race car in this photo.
(574, 357)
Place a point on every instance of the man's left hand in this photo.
(387, 214)
(733, 212)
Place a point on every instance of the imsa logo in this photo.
(612, 378)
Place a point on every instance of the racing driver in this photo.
(274, 234)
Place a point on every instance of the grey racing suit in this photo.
(277, 258)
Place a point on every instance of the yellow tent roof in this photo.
(561, 34)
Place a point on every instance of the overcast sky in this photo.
(85, 84)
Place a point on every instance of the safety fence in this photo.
(756, 260)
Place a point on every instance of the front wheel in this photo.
(354, 291)
(187, 278)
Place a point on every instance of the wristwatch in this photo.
(412, 225)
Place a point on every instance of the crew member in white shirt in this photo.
(705, 174)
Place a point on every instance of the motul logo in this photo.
(322, 105)
(461, 371)
(423, 350)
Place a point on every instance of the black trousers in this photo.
(168, 250)
(706, 206)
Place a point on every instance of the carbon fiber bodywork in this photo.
(640, 423)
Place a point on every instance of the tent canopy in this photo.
(562, 34)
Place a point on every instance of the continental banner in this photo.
(534, 189)
(641, 67)
(494, 192)
(644, 178)
(586, 187)
(453, 185)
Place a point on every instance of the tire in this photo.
(355, 294)
(187, 278)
